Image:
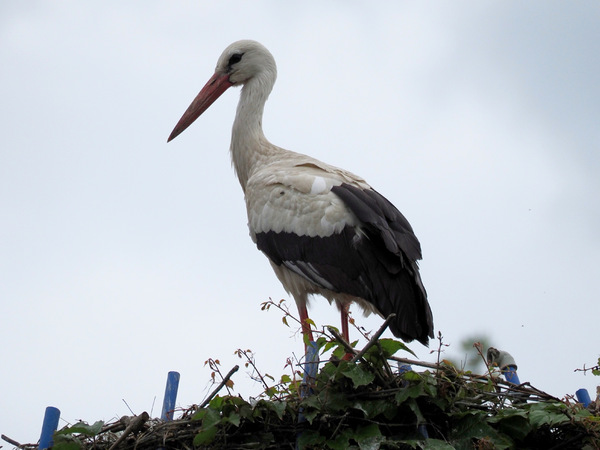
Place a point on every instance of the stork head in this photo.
(244, 60)
(240, 63)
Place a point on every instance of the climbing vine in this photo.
(369, 398)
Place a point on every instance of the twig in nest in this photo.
(136, 423)
(374, 339)
(414, 362)
(359, 356)
(114, 427)
(10, 441)
(386, 363)
(219, 387)
(341, 340)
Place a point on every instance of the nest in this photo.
(366, 399)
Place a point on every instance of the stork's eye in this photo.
(235, 58)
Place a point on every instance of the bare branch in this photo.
(220, 386)
(375, 338)
(134, 425)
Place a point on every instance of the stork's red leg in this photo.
(345, 333)
(306, 331)
(344, 310)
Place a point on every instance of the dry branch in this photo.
(220, 386)
(11, 441)
(374, 339)
(134, 426)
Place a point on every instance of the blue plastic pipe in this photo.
(583, 397)
(311, 367)
(49, 426)
(312, 361)
(403, 368)
(170, 396)
(510, 374)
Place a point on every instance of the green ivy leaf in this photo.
(411, 375)
(271, 391)
(233, 418)
(199, 415)
(437, 444)
(216, 402)
(339, 352)
(543, 414)
(473, 425)
(67, 445)
(328, 346)
(371, 409)
(412, 391)
(334, 401)
(211, 418)
(310, 415)
(321, 341)
(83, 428)
(312, 401)
(359, 375)
(412, 404)
(341, 441)
(246, 411)
(391, 346)
(310, 407)
(205, 437)
(516, 426)
(279, 408)
(369, 437)
(285, 379)
(309, 437)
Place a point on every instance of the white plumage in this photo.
(324, 230)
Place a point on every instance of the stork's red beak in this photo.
(211, 91)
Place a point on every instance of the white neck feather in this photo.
(249, 148)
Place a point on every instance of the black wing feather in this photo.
(376, 263)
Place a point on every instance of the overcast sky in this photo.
(122, 257)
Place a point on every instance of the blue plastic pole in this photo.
(510, 374)
(311, 366)
(403, 368)
(170, 396)
(49, 426)
(583, 397)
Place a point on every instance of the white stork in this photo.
(324, 230)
